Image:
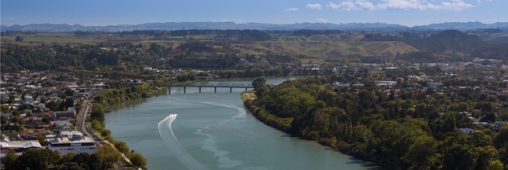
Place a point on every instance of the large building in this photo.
(73, 141)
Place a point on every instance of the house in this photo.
(466, 113)
(73, 141)
(36, 122)
(386, 84)
(391, 68)
(50, 137)
(18, 146)
(99, 85)
(341, 85)
(61, 125)
(357, 85)
(70, 113)
(466, 131)
(148, 68)
(433, 84)
(72, 85)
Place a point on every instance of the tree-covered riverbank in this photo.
(406, 131)
(110, 99)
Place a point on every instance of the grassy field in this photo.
(52, 38)
(313, 49)
(324, 49)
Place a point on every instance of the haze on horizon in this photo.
(113, 12)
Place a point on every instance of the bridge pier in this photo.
(199, 89)
(169, 91)
(230, 89)
(215, 89)
(184, 89)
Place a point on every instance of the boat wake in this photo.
(210, 143)
(241, 113)
(174, 146)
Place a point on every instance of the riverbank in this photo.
(284, 124)
(111, 99)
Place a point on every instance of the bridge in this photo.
(214, 86)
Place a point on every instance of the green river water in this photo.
(214, 131)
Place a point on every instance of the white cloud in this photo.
(352, 5)
(314, 6)
(291, 10)
(455, 5)
(332, 5)
(365, 4)
(406, 4)
(347, 5)
(400, 4)
(321, 19)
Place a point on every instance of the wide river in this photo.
(214, 131)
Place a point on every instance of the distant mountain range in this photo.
(259, 26)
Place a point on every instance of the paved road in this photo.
(81, 119)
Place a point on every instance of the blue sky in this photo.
(111, 12)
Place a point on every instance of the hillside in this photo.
(47, 27)
(237, 49)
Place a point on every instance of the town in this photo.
(46, 109)
(338, 88)
(290, 85)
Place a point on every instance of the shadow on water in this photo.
(368, 165)
(126, 105)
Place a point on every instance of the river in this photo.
(214, 131)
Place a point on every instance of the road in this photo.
(81, 126)
(82, 116)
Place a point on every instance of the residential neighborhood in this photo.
(37, 108)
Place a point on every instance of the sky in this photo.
(114, 12)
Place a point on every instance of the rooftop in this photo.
(72, 137)
(20, 144)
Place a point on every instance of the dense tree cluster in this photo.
(43, 159)
(223, 35)
(410, 129)
(56, 57)
(123, 57)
